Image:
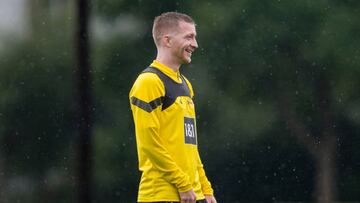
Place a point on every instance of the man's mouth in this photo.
(189, 50)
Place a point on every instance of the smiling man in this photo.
(165, 120)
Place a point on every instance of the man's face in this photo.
(183, 42)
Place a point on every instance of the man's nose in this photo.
(194, 43)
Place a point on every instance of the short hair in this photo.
(166, 21)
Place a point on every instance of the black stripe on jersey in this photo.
(172, 88)
(148, 107)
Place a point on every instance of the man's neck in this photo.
(168, 62)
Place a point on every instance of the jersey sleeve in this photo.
(146, 100)
(205, 183)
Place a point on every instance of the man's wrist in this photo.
(185, 188)
(208, 191)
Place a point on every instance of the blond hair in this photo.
(168, 21)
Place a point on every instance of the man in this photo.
(164, 117)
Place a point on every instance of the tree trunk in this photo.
(85, 105)
(325, 178)
(323, 151)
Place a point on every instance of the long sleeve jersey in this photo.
(165, 128)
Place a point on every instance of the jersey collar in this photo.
(167, 71)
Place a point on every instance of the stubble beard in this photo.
(185, 58)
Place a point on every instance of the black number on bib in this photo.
(190, 130)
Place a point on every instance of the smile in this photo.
(190, 51)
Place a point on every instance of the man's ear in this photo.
(166, 40)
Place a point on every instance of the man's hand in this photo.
(188, 197)
(210, 199)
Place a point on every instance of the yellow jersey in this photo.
(166, 138)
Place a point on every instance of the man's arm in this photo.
(146, 107)
(205, 183)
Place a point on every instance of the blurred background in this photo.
(276, 88)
